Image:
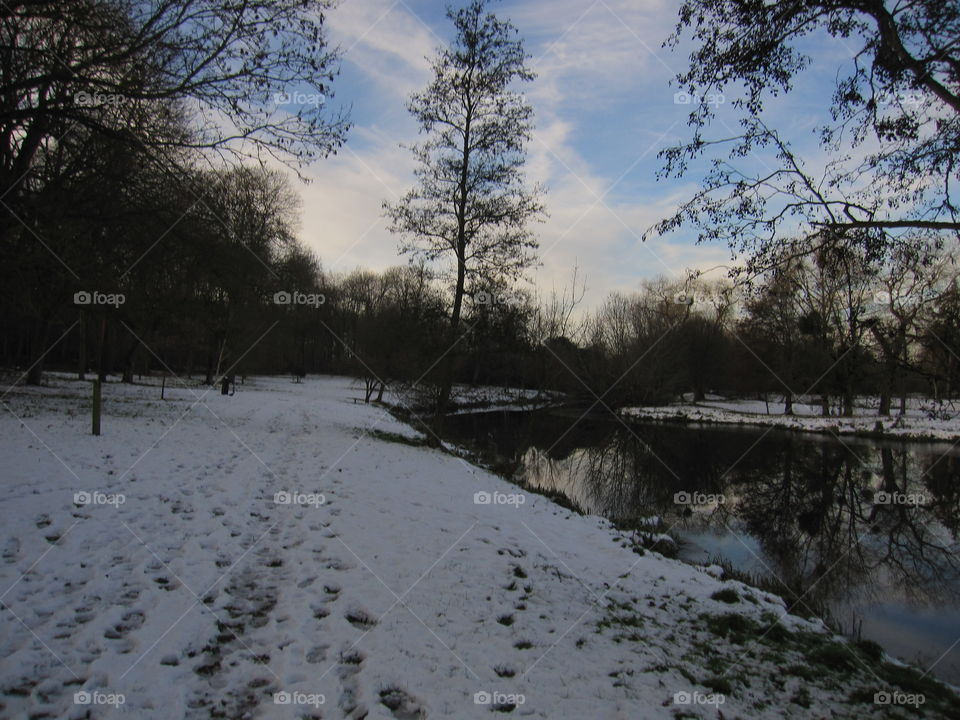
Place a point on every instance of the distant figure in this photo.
(228, 386)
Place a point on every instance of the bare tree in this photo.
(471, 203)
(890, 132)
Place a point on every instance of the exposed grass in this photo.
(393, 437)
(805, 607)
(718, 684)
(727, 595)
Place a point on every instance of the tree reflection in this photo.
(835, 520)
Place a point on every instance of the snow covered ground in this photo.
(467, 399)
(916, 423)
(270, 555)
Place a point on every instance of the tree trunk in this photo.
(103, 363)
(446, 387)
(128, 363)
(884, 403)
(82, 352)
(37, 353)
(210, 362)
(848, 403)
(788, 403)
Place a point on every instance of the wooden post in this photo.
(163, 386)
(96, 407)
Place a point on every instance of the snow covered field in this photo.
(916, 422)
(271, 555)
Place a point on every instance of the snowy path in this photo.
(200, 596)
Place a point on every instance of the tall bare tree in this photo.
(471, 204)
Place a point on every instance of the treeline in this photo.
(143, 230)
(136, 214)
(824, 321)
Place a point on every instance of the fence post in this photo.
(96, 406)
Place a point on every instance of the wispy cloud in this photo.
(603, 106)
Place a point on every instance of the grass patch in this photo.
(718, 685)
(727, 595)
(394, 437)
(733, 626)
(836, 656)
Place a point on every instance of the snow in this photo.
(917, 423)
(263, 555)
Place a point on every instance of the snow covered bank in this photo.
(914, 425)
(271, 555)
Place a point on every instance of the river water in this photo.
(862, 533)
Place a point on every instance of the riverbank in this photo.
(915, 425)
(288, 546)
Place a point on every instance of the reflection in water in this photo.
(863, 532)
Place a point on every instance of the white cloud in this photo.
(386, 42)
(609, 57)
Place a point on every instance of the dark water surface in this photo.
(860, 532)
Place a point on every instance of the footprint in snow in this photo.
(317, 654)
(400, 703)
(360, 618)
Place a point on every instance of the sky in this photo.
(604, 107)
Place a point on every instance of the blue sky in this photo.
(604, 108)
